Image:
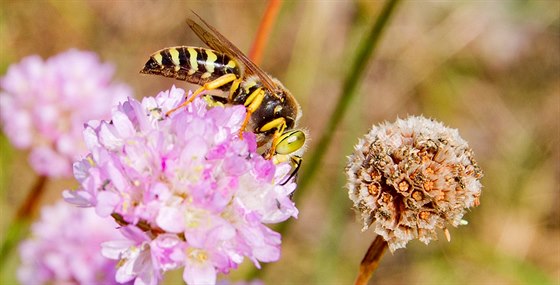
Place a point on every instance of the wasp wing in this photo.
(220, 43)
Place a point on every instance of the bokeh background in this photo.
(489, 68)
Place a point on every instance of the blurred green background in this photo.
(488, 68)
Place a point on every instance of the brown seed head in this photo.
(411, 177)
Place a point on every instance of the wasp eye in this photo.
(290, 142)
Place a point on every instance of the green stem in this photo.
(363, 55)
(20, 224)
(349, 91)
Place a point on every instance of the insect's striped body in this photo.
(272, 111)
(202, 65)
(192, 64)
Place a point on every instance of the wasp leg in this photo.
(212, 85)
(279, 124)
(296, 163)
(252, 103)
(215, 101)
(288, 143)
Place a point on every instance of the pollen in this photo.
(417, 195)
(424, 215)
(404, 186)
(373, 189)
(196, 254)
(429, 170)
(428, 186)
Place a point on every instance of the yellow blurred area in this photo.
(488, 68)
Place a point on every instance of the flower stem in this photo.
(26, 209)
(270, 16)
(371, 260)
(363, 55)
(19, 225)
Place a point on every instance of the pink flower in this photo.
(252, 282)
(65, 248)
(44, 105)
(200, 195)
(135, 258)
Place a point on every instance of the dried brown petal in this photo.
(409, 178)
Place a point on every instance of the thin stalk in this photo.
(329, 241)
(349, 90)
(371, 260)
(364, 53)
(270, 16)
(26, 208)
(19, 225)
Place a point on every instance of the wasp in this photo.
(272, 111)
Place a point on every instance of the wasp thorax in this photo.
(410, 178)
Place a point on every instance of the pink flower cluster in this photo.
(65, 248)
(44, 105)
(187, 190)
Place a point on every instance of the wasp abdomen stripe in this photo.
(166, 58)
(192, 64)
(183, 56)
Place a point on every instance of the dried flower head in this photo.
(44, 105)
(189, 192)
(65, 248)
(410, 178)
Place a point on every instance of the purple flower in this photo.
(44, 105)
(252, 282)
(65, 247)
(191, 193)
(134, 255)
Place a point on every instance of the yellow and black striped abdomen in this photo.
(192, 64)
